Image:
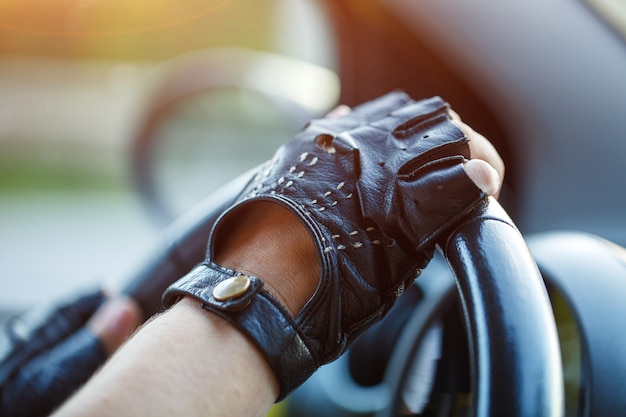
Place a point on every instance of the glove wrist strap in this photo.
(241, 300)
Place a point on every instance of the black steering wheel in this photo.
(515, 360)
(512, 333)
(514, 349)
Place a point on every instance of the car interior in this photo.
(518, 312)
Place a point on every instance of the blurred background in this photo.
(77, 80)
(116, 116)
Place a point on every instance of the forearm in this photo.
(188, 361)
(185, 362)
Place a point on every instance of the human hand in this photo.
(48, 354)
(361, 198)
(485, 167)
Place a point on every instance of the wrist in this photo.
(244, 302)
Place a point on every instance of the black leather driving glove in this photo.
(375, 188)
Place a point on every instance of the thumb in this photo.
(115, 321)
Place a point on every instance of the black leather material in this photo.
(514, 345)
(263, 319)
(375, 188)
(47, 355)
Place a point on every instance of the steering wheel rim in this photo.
(515, 356)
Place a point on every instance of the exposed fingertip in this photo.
(484, 176)
(482, 149)
(454, 115)
(115, 321)
(340, 110)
